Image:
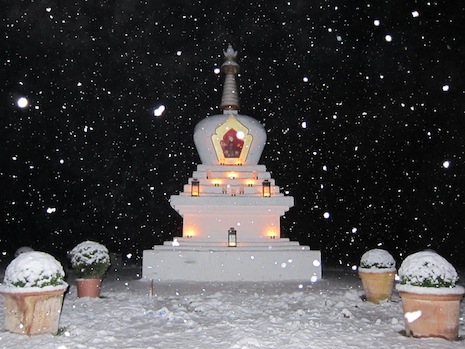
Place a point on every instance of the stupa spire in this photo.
(230, 98)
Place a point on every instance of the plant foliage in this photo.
(90, 260)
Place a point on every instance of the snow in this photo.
(7, 289)
(377, 260)
(430, 290)
(427, 266)
(23, 249)
(326, 314)
(22, 102)
(33, 270)
(89, 252)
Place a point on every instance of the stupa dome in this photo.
(230, 138)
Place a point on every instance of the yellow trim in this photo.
(231, 123)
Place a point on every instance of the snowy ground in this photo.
(326, 314)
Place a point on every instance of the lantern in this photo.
(266, 188)
(232, 237)
(195, 187)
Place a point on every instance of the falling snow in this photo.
(22, 102)
(363, 107)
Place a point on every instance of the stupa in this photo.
(231, 208)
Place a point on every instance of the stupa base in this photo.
(165, 263)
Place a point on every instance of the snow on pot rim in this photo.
(9, 289)
(377, 261)
(427, 272)
(375, 270)
(431, 290)
(33, 272)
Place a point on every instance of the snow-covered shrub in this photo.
(377, 259)
(427, 269)
(34, 269)
(23, 249)
(90, 260)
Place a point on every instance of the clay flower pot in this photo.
(377, 286)
(430, 296)
(33, 290)
(88, 287)
(90, 261)
(33, 313)
(377, 272)
(431, 315)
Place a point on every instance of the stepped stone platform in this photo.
(185, 259)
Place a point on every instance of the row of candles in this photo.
(266, 188)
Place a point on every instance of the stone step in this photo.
(224, 247)
(248, 242)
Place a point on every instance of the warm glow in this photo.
(232, 237)
(250, 183)
(232, 175)
(189, 233)
(232, 142)
(266, 188)
(195, 187)
(216, 182)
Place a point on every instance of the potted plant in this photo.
(23, 249)
(33, 289)
(377, 271)
(430, 296)
(90, 261)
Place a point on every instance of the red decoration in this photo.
(231, 145)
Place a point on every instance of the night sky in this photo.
(363, 102)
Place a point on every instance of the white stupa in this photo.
(231, 208)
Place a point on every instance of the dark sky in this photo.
(363, 102)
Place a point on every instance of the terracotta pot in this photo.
(33, 313)
(431, 315)
(88, 287)
(377, 286)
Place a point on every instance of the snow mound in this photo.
(90, 259)
(427, 269)
(377, 259)
(34, 270)
(89, 252)
(23, 249)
